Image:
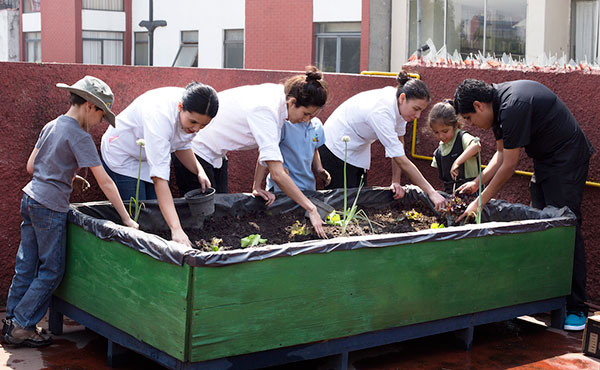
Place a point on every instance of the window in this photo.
(33, 46)
(584, 31)
(187, 55)
(338, 47)
(31, 6)
(114, 5)
(471, 26)
(233, 49)
(141, 49)
(100, 47)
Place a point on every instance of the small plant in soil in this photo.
(137, 204)
(299, 228)
(252, 240)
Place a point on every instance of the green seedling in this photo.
(215, 243)
(413, 215)
(435, 225)
(137, 204)
(252, 240)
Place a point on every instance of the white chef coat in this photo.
(366, 117)
(154, 117)
(248, 117)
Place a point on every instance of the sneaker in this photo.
(16, 335)
(575, 321)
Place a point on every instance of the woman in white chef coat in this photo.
(167, 119)
(251, 117)
(372, 115)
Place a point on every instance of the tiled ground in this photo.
(525, 344)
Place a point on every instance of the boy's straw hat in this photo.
(95, 91)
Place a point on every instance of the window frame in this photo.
(37, 42)
(31, 2)
(102, 40)
(338, 37)
(183, 44)
(230, 42)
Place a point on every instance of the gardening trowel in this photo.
(323, 208)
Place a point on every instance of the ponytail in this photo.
(412, 88)
(308, 89)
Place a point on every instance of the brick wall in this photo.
(61, 41)
(279, 34)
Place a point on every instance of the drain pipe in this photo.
(419, 29)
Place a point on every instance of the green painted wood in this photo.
(130, 290)
(280, 302)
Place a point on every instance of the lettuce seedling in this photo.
(252, 240)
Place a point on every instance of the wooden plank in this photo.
(127, 289)
(280, 302)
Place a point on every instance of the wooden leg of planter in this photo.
(116, 355)
(55, 321)
(464, 337)
(558, 318)
(341, 361)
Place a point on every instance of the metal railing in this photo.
(414, 131)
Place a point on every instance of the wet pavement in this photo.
(525, 343)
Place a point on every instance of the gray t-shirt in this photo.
(63, 147)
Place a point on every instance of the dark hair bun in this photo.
(313, 74)
(402, 78)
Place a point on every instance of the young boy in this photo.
(64, 145)
(299, 144)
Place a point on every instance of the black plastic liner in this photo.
(498, 217)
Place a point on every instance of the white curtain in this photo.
(586, 31)
(116, 5)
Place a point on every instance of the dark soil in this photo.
(279, 229)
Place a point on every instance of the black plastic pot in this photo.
(201, 204)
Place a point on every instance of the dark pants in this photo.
(127, 186)
(335, 167)
(561, 190)
(187, 181)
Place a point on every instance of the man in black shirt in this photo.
(527, 114)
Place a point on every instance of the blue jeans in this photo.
(127, 185)
(40, 262)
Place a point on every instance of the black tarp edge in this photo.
(500, 217)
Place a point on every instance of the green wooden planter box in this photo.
(343, 287)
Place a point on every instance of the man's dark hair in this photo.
(75, 99)
(469, 91)
(200, 98)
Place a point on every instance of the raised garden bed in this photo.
(193, 306)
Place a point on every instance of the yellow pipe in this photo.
(414, 133)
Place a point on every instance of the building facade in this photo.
(336, 35)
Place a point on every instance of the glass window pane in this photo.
(432, 23)
(585, 24)
(337, 27)
(92, 52)
(505, 31)
(33, 47)
(350, 55)
(189, 37)
(30, 6)
(464, 30)
(234, 35)
(141, 49)
(234, 55)
(141, 37)
(326, 53)
(115, 5)
(113, 52)
(187, 56)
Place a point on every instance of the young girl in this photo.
(372, 115)
(455, 158)
(252, 117)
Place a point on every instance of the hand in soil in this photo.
(266, 195)
(317, 223)
(179, 236)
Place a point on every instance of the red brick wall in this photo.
(29, 99)
(279, 34)
(61, 41)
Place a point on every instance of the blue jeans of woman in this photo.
(127, 186)
(40, 263)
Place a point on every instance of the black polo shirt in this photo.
(528, 114)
